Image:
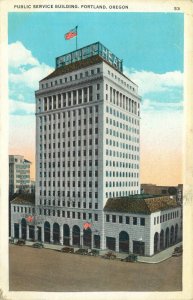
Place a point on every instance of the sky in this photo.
(151, 46)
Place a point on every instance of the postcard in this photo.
(96, 150)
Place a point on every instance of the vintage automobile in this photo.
(177, 251)
(109, 255)
(93, 252)
(82, 251)
(38, 245)
(67, 250)
(130, 258)
(20, 242)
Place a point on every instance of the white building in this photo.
(87, 147)
(19, 174)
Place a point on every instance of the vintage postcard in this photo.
(96, 150)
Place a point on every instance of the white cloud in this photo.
(148, 104)
(31, 77)
(154, 82)
(18, 56)
(25, 70)
(22, 107)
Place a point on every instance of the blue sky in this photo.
(145, 41)
(151, 46)
(148, 43)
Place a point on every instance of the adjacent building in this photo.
(19, 174)
(149, 188)
(88, 159)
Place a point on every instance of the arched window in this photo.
(76, 235)
(47, 232)
(123, 241)
(156, 241)
(56, 233)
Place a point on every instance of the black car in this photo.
(20, 242)
(82, 251)
(38, 245)
(67, 250)
(130, 258)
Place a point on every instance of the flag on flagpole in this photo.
(70, 34)
(29, 219)
(86, 225)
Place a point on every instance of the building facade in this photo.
(153, 189)
(88, 125)
(87, 156)
(19, 174)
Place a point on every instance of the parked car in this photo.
(93, 252)
(177, 251)
(109, 255)
(20, 242)
(130, 258)
(67, 250)
(11, 240)
(38, 245)
(82, 251)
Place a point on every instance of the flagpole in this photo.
(76, 38)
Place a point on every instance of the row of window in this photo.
(82, 153)
(119, 80)
(166, 217)
(72, 183)
(71, 125)
(121, 125)
(120, 174)
(121, 164)
(119, 154)
(68, 99)
(122, 101)
(68, 214)
(21, 209)
(70, 164)
(122, 183)
(121, 193)
(121, 135)
(115, 143)
(74, 133)
(54, 165)
(75, 143)
(125, 220)
(68, 193)
(65, 203)
(89, 110)
(23, 166)
(66, 79)
(121, 115)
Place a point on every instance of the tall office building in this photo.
(87, 163)
(87, 129)
(19, 174)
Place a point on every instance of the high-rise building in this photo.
(19, 174)
(87, 163)
(88, 125)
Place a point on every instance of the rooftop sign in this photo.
(89, 51)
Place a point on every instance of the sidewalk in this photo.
(159, 257)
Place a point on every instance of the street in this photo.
(52, 271)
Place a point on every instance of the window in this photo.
(134, 220)
(127, 220)
(113, 218)
(142, 221)
(96, 217)
(107, 218)
(120, 219)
